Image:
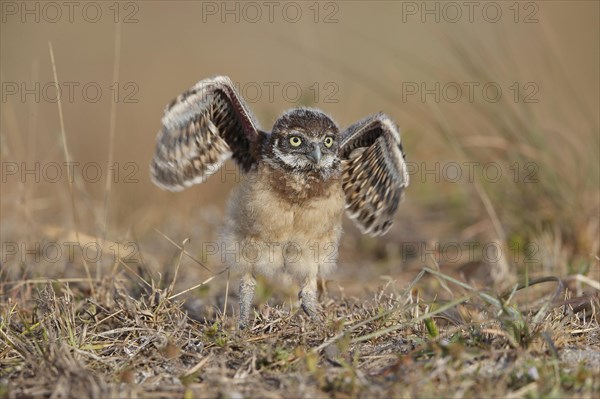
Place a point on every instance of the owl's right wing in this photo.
(202, 128)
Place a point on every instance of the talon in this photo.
(308, 297)
(243, 324)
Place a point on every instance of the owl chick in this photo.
(286, 214)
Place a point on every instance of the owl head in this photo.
(305, 139)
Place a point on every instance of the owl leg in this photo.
(247, 286)
(308, 296)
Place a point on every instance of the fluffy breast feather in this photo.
(271, 205)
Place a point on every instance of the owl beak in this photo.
(315, 154)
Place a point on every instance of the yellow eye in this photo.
(295, 141)
(328, 142)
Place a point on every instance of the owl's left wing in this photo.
(202, 128)
(374, 173)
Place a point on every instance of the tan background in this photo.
(367, 54)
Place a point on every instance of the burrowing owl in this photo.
(298, 179)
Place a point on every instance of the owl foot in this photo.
(308, 298)
(311, 309)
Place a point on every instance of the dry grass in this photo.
(57, 340)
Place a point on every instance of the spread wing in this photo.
(374, 173)
(202, 128)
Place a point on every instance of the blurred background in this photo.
(498, 103)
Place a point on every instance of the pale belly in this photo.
(272, 233)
